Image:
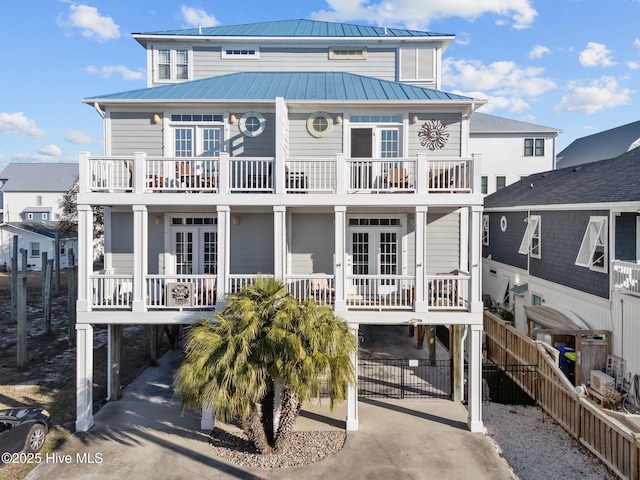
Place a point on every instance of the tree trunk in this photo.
(290, 410)
(254, 429)
(268, 411)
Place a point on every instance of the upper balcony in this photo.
(626, 277)
(140, 173)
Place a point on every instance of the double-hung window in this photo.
(531, 241)
(534, 147)
(593, 250)
(172, 64)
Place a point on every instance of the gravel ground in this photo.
(538, 448)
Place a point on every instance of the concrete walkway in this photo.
(144, 436)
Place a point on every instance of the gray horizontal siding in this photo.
(442, 242)
(453, 125)
(260, 146)
(380, 63)
(135, 132)
(303, 144)
(252, 244)
(312, 243)
(122, 242)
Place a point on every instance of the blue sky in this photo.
(567, 64)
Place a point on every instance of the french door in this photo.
(373, 142)
(195, 251)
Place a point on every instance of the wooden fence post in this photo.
(71, 296)
(14, 280)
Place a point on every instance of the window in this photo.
(45, 216)
(29, 216)
(319, 124)
(34, 249)
(63, 248)
(593, 250)
(347, 53)
(38, 200)
(534, 146)
(240, 53)
(536, 299)
(485, 230)
(197, 140)
(252, 124)
(501, 182)
(484, 184)
(172, 64)
(416, 63)
(531, 241)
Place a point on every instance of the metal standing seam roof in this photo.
(297, 28)
(39, 177)
(292, 86)
(45, 229)
(484, 123)
(608, 181)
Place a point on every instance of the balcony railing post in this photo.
(341, 174)
(476, 179)
(83, 172)
(422, 174)
(223, 173)
(139, 176)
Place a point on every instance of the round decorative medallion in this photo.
(503, 223)
(252, 124)
(433, 134)
(319, 124)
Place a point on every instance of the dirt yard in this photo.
(49, 378)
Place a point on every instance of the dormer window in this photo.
(172, 64)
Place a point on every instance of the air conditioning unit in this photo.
(600, 381)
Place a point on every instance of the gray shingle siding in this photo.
(503, 246)
(626, 237)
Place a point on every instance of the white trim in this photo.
(526, 246)
(235, 52)
(173, 74)
(311, 128)
(596, 229)
(485, 230)
(243, 124)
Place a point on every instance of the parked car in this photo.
(23, 429)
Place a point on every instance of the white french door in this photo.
(374, 142)
(195, 251)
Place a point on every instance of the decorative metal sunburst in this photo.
(433, 135)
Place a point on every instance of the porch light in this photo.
(339, 120)
(233, 119)
(156, 118)
(158, 220)
(414, 119)
(235, 220)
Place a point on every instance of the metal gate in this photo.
(403, 378)
(511, 384)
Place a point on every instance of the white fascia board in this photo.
(616, 207)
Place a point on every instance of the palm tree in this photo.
(263, 356)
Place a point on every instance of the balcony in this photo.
(445, 292)
(144, 174)
(626, 277)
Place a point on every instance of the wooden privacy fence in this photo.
(611, 441)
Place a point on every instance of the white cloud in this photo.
(636, 43)
(18, 123)
(503, 78)
(92, 24)
(51, 150)
(415, 14)
(600, 94)
(79, 138)
(538, 51)
(495, 102)
(596, 55)
(35, 157)
(109, 70)
(633, 65)
(197, 17)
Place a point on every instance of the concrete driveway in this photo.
(144, 436)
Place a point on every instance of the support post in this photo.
(115, 361)
(84, 378)
(224, 241)
(153, 345)
(455, 346)
(140, 235)
(431, 338)
(279, 241)
(47, 265)
(340, 219)
(352, 391)
(14, 280)
(21, 333)
(72, 295)
(420, 300)
(474, 405)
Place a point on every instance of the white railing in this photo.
(203, 290)
(626, 276)
(182, 174)
(380, 175)
(108, 174)
(239, 281)
(310, 175)
(111, 291)
(448, 291)
(380, 292)
(450, 176)
(316, 286)
(251, 174)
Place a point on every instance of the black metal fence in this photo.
(403, 378)
(500, 381)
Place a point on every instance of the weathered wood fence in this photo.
(610, 440)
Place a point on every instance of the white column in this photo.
(223, 173)
(340, 270)
(281, 138)
(224, 240)
(420, 300)
(83, 172)
(84, 377)
(474, 374)
(139, 175)
(477, 176)
(422, 175)
(85, 257)
(464, 240)
(279, 241)
(207, 421)
(140, 235)
(342, 174)
(352, 392)
(475, 257)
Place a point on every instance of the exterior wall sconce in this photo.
(157, 119)
(235, 220)
(158, 220)
(339, 120)
(414, 119)
(233, 119)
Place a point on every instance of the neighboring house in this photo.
(30, 191)
(570, 239)
(511, 150)
(35, 238)
(322, 154)
(600, 146)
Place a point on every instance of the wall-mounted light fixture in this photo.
(414, 119)
(157, 118)
(235, 220)
(159, 220)
(233, 119)
(339, 120)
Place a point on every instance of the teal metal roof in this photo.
(319, 86)
(298, 28)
